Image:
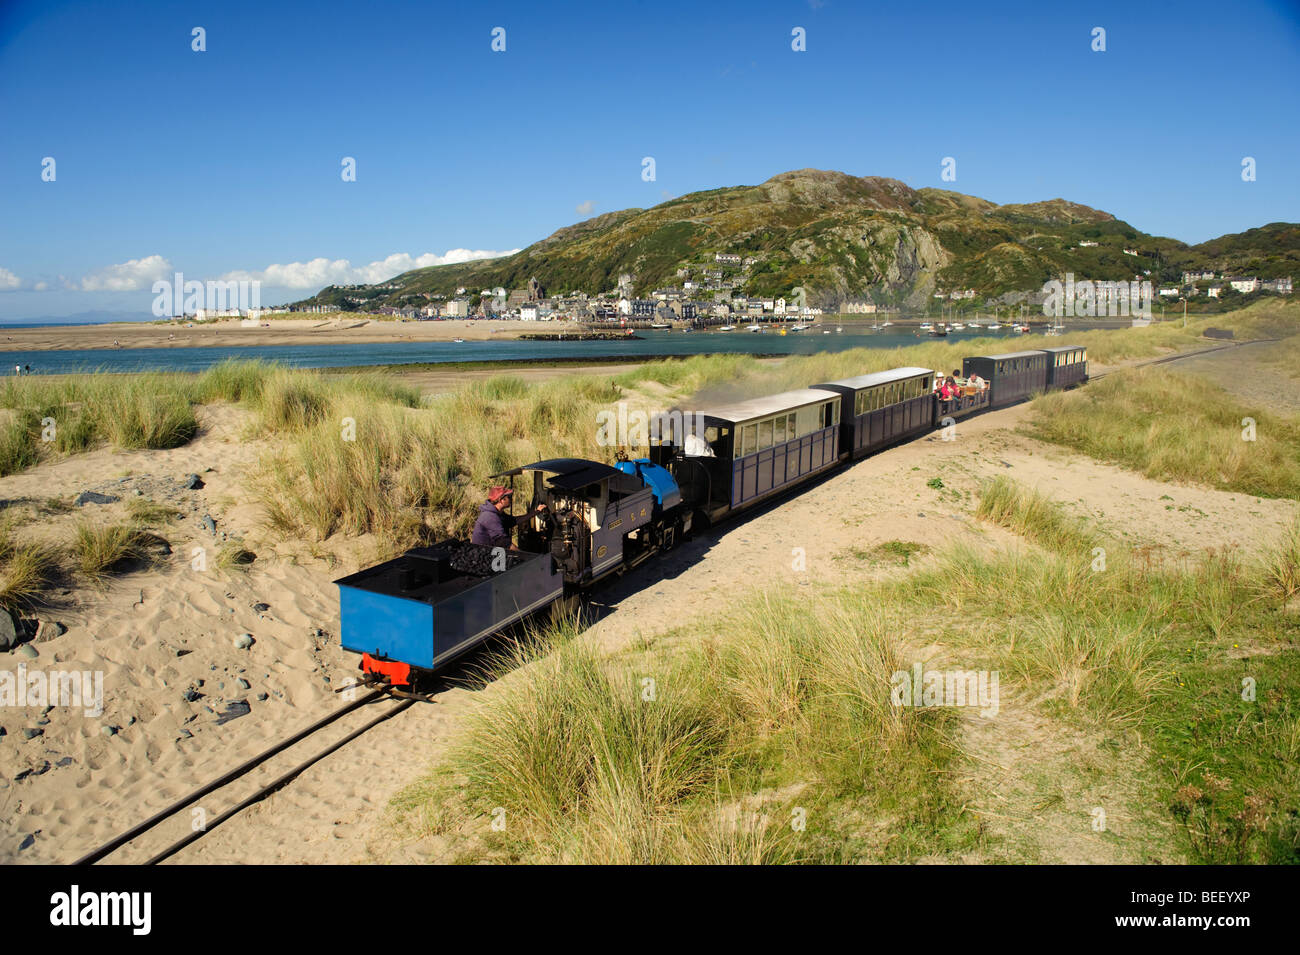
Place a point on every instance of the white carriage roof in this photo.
(878, 378)
(1013, 354)
(1065, 348)
(772, 404)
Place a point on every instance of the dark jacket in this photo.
(493, 528)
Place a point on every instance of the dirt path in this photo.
(1242, 372)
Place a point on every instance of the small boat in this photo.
(727, 328)
(753, 328)
(826, 331)
(882, 325)
(957, 328)
(688, 329)
(799, 328)
(461, 340)
(938, 333)
(925, 326)
(661, 325)
(992, 326)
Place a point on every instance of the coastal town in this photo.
(711, 295)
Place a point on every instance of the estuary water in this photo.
(650, 344)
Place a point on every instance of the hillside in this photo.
(842, 237)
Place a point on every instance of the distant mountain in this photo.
(842, 237)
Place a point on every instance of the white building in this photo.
(457, 308)
(1245, 286)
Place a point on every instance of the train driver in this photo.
(494, 526)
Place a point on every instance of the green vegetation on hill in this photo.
(839, 236)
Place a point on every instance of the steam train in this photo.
(415, 614)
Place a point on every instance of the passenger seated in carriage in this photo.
(696, 447)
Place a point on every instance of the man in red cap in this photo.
(494, 525)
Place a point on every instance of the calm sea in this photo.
(651, 343)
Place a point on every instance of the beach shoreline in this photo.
(233, 333)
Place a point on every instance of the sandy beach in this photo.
(317, 330)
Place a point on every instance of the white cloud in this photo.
(586, 207)
(129, 276)
(321, 272)
(8, 281)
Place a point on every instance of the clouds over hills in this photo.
(136, 275)
(320, 272)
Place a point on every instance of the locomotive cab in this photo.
(597, 519)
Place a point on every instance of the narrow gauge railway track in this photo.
(375, 696)
(1183, 355)
(402, 701)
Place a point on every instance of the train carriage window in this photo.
(749, 439)
(778, 430)
(765, 434)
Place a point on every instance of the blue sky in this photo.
(228, 161)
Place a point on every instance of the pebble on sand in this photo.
(244, 641)
(8, 632)
(94, 497)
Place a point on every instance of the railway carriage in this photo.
(1011, 377)
(883, 408)
(416, 613)
(750, 450)
(1067, 366)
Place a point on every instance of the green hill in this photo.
(843, 237)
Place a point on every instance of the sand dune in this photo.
(156, 633)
